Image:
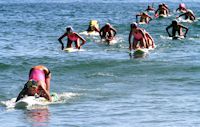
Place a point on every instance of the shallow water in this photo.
(161, 89)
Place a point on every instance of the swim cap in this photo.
(182, 5)
(69, 29)
(93, 22)
(134, 25)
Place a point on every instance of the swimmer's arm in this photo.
(143, 34)
(21, 95)
(88, 29)
(129, 40)
(47, 77)
(166, 7)
(96, 29)
(149, 17)
(193, 16)
(114, 30)
(168, 31)
(151, 38)
(181, 15)
(47, 94)
(100, 32)
(30, 72)
(82, 39)
(60, 40)
(186, 30)
(156, 11)
(178, 9)
(137, 17)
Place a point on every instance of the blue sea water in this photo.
(112, 89)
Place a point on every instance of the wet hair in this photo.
(108, 24)
(69, 29)
(174, 22)
(134, 25)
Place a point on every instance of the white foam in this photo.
(62, 98)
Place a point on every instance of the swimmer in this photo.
(38, 83)
(144, 17)
(176, 27)
(149, 8)
(139, 38)
(162, 10)
(107, 32)
(93, 26)
(72, 37)
(188, 15)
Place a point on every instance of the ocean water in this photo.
(111, 89)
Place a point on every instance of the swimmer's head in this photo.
(134, 25)
(181, 5)
(108, 25)
(174, 22)
(69, 29)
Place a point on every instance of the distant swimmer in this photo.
(182, 8)
(176, 27)
(166, 6)
(144, 17)
(107, 32)
(139, 38)
(72, 37)
(188, 15)
(93, 26)
(38, 83)
(150, 8)
(162, 10)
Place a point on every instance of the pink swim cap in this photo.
(182, 5)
